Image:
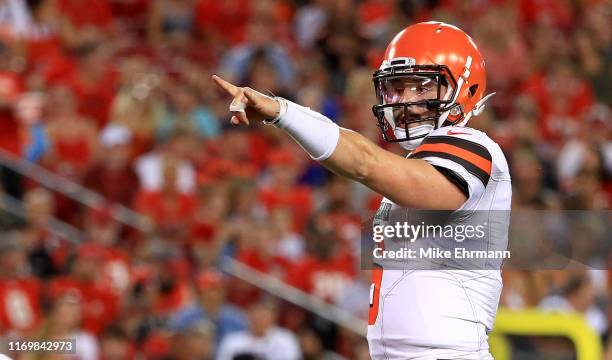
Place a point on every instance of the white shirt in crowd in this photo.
(277, 344)
(149, 170)
(86, 346)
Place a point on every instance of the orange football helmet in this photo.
(439, 66)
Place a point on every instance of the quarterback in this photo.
(431, 82)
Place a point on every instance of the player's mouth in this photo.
(412, 118)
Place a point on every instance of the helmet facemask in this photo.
(412, 100)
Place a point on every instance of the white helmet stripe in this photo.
(463, 77)
(460, 81)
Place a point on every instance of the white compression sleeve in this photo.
(315, 133)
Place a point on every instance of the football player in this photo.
(431, 82)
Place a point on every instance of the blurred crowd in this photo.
(116, 95)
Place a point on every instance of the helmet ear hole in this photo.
(472, 90)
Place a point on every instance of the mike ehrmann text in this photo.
(437, 253)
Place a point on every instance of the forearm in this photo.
(352, 157)
(359, 159)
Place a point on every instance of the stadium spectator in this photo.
(64, 323)
(115, 344)
(80, 23)
(193, 342)
(260, 49)
(328, 266)
(35, 139)
(187, 115)
(150, 168)
(578, 296)
(312, 347)
(98, 303)
(168, 208)
(20, 293)
(45, 249)
(210, 306)
(112, 174)
(262, 339)
(73, 138)
(167, 19)
(282, 190)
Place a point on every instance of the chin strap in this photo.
(477, 110)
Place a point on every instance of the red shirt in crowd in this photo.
(243, 294)
(323, 278)
(298, 200)
(19, 305)
(97, 13)
(76, 152)
(116, 185)
(179, 297)
(9, 132)
(216, 168)
(10, 88)
(226, 19)
(94, 97)
(99, 304)
(178, 210)
(568, 102)
(553, 12)
(269, 264)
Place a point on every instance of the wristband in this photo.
(314, 132)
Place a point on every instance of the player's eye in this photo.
(422, 89)
(394, 94)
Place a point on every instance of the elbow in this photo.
(361, 172)
(366, 161)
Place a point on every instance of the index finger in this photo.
(230, 88)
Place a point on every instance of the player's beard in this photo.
(410, 145)
(420, 130)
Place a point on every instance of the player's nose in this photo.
(417, 109)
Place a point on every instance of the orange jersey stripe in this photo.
(482, 163)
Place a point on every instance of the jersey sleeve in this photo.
(470, 161)
(454, 178)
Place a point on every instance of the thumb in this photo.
(266, 105)
(253, 96)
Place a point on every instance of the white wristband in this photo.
(315, 133)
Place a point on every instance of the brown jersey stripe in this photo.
(470, 167)
(475, 159)
(476, 148)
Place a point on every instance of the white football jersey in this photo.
(444, 314)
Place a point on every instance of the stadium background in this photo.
(115, 95)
